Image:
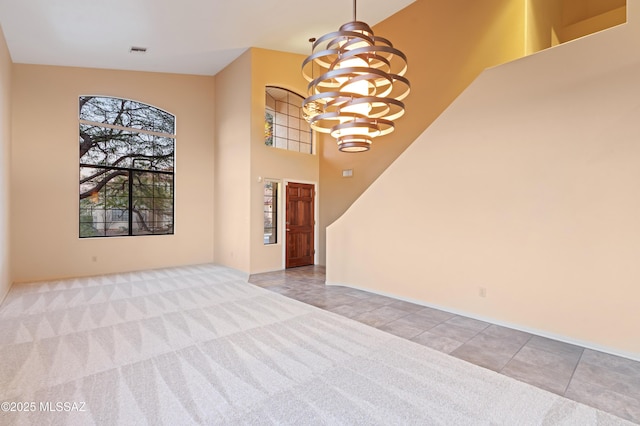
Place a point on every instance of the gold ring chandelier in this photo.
(356, 85)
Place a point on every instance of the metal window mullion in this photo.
(153, 202)
(130, 202)
(128, 129)
(98, 166)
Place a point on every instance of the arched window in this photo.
(126, 168)
(284, 125)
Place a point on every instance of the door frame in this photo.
(283, 216)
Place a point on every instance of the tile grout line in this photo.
(573, 374)
(515, 354)
(328, 294)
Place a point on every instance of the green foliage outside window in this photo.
(268, 129)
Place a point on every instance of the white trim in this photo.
(537, 332)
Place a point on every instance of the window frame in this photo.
(293, 129)
(145, 156)
(274, 213)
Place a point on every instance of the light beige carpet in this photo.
(199, 345)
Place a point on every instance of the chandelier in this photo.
(356, 85)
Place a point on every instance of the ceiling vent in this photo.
(138, 49)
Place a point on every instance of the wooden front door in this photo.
(300, 224)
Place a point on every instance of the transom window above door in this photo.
(284, 125)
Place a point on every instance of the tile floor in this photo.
(604, 381)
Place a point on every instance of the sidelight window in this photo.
(270, 212)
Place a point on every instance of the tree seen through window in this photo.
(126, 168)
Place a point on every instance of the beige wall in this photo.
(574, 11)
(232, 164)
(551, 22)
(244, 162)
(544, 24)
(525, 187)
(5, 141)
(44, 174)
(448, 43)
(594, 23)
(283, 70)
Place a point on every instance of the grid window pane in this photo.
(281, 143)
(294, 145)
(283, 120)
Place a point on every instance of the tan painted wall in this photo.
(526, 186)
(44, 175)
(596, 23)
(543, 24)
(232, 164)
(5, 153)
(283, 70)
(552, 22)
(448, 43)
(574, 11)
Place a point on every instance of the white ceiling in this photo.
(182, 36)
